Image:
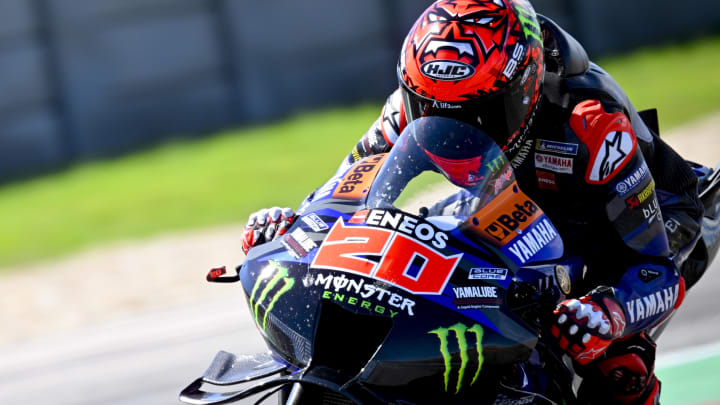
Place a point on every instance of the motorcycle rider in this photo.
(618, 193)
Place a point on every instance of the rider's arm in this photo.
(269, 223)
(633, 282)
(632, 260)
(382, 134)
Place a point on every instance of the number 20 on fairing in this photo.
(404, 262)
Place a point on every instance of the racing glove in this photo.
(266, 225)
(584, 328)
(624, 375)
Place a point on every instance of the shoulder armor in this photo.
(609, 137)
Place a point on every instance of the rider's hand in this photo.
(266, 225)
(583, 329)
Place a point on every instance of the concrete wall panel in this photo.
(123, 80)
(86, 78)
(17, 19)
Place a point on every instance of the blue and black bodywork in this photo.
(362, 302)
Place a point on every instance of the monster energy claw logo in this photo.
(528, 21)
(460, 331)
(280, 277)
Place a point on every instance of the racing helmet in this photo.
(477, 61)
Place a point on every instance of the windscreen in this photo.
(441, 166)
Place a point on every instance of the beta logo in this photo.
(507, 223)
(356, 182)
(447, 70)
(326, 189)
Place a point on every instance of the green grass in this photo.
(181, 185)
(221, 179)
(682, 81)
(692, 382)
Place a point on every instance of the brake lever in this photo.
(216, 275)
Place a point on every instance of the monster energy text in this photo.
(361, 293)
(461, 332)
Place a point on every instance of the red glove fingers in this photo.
(582, 329)
(266, 225)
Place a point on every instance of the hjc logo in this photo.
(507, 223)
(447, 70)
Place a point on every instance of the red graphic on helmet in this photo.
(461, 54)
(464, 40)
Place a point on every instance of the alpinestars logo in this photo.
(276, 285)
(616, 150)
(461, 333)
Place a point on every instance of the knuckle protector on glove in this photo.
(288, 213)
(582, 329)
(261, 217)
(274, 214)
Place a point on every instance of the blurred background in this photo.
(137, 135)
(84, 79)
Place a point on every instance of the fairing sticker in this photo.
(357, 180)
(563, 148)
(407, 258)
(636, 215)
(513, 223)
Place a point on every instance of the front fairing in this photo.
(388, 298)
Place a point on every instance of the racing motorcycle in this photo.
(373, 298)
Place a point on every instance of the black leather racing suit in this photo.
(633, 226)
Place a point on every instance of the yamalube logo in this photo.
(448, 70)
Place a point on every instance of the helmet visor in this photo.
(500, 115)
